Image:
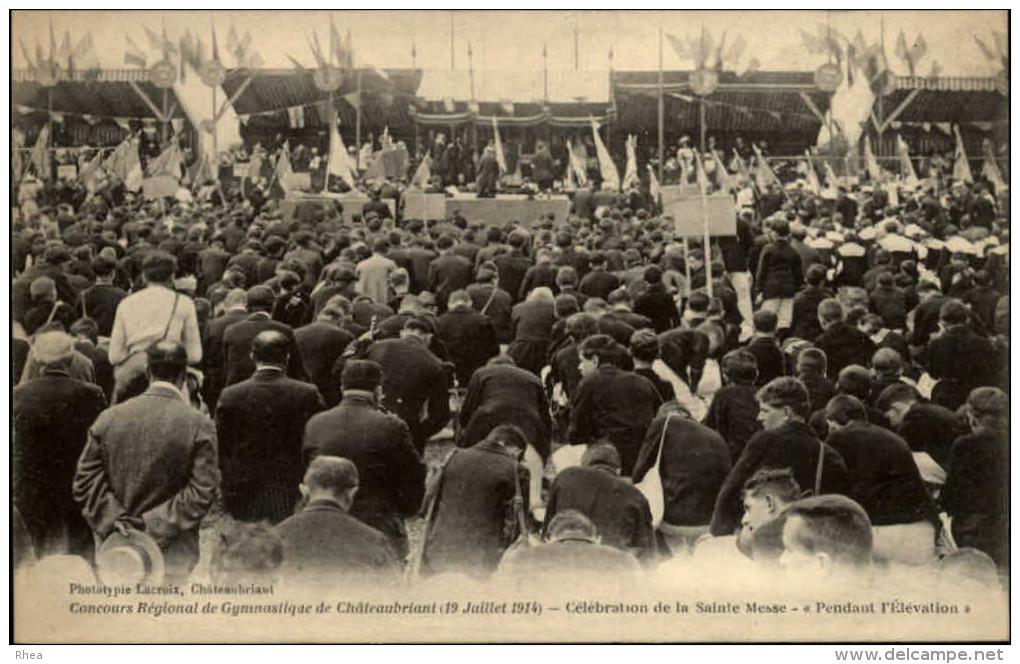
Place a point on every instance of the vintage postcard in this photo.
(492, 326)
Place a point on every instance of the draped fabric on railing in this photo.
(469, 117)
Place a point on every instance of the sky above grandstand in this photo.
(506, 40)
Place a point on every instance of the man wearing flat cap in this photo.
(52, 415)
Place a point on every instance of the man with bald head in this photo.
(259, 423)
(150, 464)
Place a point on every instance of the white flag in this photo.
(500, 157)
(874, 171)
(339, 161)
(630, 171)
(906, 166)
(961, 167)
(606, 166)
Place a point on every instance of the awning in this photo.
(563, 86)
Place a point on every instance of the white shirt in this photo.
(143, 317)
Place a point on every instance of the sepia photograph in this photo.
(448, 326)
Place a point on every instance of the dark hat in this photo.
(131, 558)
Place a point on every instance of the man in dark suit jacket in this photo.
(468, 336)
(466, 533)
(786, 442)
(960, 359)
(321, 343)
(150, 464)
(598, 282)
(882, 476)
(259, 425)
(610, 402)
(414, 379)
(513, 265)
(615, 505)
(843, 343)
(238, 337)
(493, 302)
(51, 416)
(323, 545)
(542, 273)
(234, 311)
(501, 393)
(805, 305)
(448, 273)
(392, 474)
(100, 301)
(763, 345)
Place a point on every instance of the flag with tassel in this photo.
(169, 162)
(653, 185)
(578, 163)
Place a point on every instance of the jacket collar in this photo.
(268, 372)
(358, 396)
(494, 447)
(324, 506)
(162, 388)
(259, 315)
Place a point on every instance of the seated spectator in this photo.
(734, 409)
(977, 487)
(826, 538)
(765, 348)
(324, 546)
(573, 553)
(926, 427)
(644, 348)
(693, 461)
(811, 369)
(786, 441)
(885, 481)
(766, 493)
(843, 344)
(616, 507)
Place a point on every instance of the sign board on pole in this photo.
(687, 213)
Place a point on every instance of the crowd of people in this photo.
(837, 404)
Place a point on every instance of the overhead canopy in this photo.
(761, 102)
(564, 86)
(955, 100)
(107, 94)
(384, 100)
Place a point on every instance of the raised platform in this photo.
(504, 209)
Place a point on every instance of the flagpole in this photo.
(357, 125)
(661, 114)
(452, 67)
(49, 134)
(166, 120)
